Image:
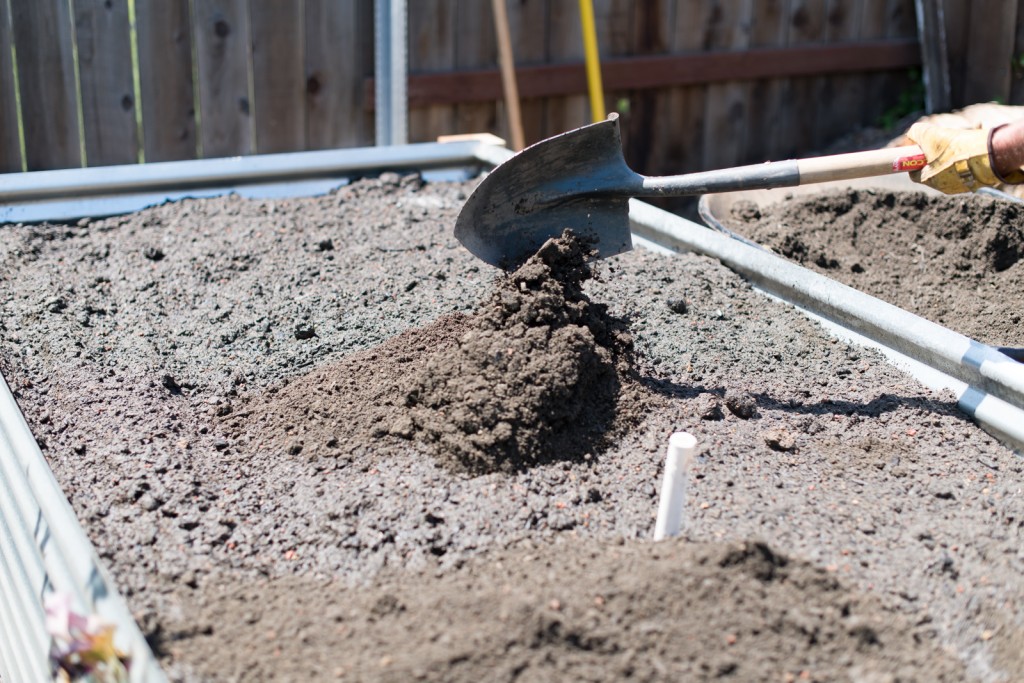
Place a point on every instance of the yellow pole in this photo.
(593, 62)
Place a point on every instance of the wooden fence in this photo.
(699, 83)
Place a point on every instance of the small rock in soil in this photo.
(171, 384)
(304, 331)
(153, 253)
(779, 439)
(741, 404)
(678, 306)
(708, 407)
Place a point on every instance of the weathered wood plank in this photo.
(839, 97)
(46, 74)
(641, 72)
(874, 26)
(769, 29)
(957, 13)
(901, 23)
(278, 76)
(685, 107)
(796, 132)
(10, 140)
(338, 58)
(989, 50)
(164, 40)
(614, 29)
(104, 44)
(565, 44)
(476, 46)
(528, 24)
(726, 115)
(1017, 68)
(432, 26)
(221, 30)
(650, 133)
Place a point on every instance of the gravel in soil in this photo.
(954, 260)
(160, 358)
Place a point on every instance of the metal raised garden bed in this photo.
(43, 548)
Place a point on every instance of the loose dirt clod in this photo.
(536, 377)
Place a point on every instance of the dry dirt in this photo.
(843, 522)
(954, 260)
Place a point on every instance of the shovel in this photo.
(580, 180)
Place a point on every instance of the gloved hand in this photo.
(958, 160)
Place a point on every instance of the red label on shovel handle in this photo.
(913, 163)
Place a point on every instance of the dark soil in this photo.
(214, 416)
(954, 260)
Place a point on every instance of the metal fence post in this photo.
(391, 72)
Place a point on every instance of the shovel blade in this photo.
(576, 180)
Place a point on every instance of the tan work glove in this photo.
(958, 160)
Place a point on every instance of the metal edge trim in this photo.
(178, 175)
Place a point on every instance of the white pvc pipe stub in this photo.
(673, 486)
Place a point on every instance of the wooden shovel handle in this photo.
(861, 164)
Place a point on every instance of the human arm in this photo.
(1008, 149)
(965, 160)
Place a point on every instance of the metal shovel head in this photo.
(576, 180)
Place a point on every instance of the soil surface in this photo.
(954, 260)
(183, 368)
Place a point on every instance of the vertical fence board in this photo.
(901, 22)
(874, 26)
(279, 115)
(46, 73)
(839, 97)
(221, 30)
(685, 106)
(613, 25)
(10, 142)
(104, 45)
(164, 39)
(528, 24)
(724, 123)
(565, 44)
(432, 25)
(806, 26)
(650, 133)
(476, 47)
(1017, 67)
(766, 96)
(337, 61)
(957, 13)
(990, 50)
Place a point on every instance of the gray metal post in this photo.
(391, 71)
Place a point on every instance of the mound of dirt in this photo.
(581, 611)
(534, 375)
(537, 376)
(949, 259)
